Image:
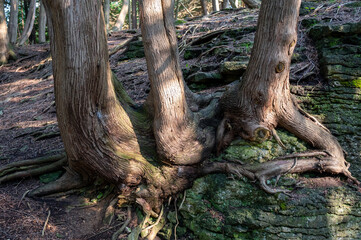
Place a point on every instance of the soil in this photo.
(28, 116)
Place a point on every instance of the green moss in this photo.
(354, 83)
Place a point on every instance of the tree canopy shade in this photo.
(156, 150)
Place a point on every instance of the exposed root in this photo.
(31, 170)
(35, 161)
(278, 139)
(66, 182)
(125, 224)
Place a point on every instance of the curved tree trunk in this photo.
(175, 130)
(42, 23)
(262, 100)
(13, 21)
(29, 24)
(4, 39)
(121, 18)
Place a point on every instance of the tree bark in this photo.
(175, 131)
(29, 24)
(4, 39)
(262, 100)
(134, 14)
(251, 3)
(42, 23)
(204, 7)
(13, 21)
(215, 5)
(225, 4)
(106, 8)
(121, 18)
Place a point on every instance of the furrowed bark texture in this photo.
(97, 130)
(262, 100)
(175, 128)
(13, 21)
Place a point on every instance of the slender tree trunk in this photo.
(204, 7)
(130, 14)
(106, 8)
(121, 18)
(134, 14)
(4, 39)
(215, 5)
(42, 23)
(225, 4)
(29, 24)
(13, 21)
(176, 135)
(251, 3)
(233, 4)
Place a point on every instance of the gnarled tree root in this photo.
(30, 168)
(68, 181)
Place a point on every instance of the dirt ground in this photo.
(28, 129)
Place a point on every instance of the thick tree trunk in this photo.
(106, 8)
(29, 24)
(13, 21)
(134, 14)
(215, 5)
(204, 7)
(262, 100)
(4, 39)
(121, 18)
(98, 131)
(42, 23)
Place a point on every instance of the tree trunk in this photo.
(106, 8)
(175, 132)
(134, 14)
(29, 24)
(262, 100)
(215, 5)
(4, 39)
(13, 21)
(130, 15)
(204, 7)
(233, 4)
(251, 3)
(42, 23)
(121, 18)
(225, 4)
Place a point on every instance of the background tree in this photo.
(121, 17)
(4, 39)
(215, 5)
(42, 23)
(106, 8)
(204, 7)
(13, 21)
(134, 14)
(29, 23)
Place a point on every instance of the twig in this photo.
(184, 198)
(26, 192)
(156, 222)
(46, 223)
(176, 217)
(121, 229)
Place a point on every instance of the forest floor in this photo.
(28, 129)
